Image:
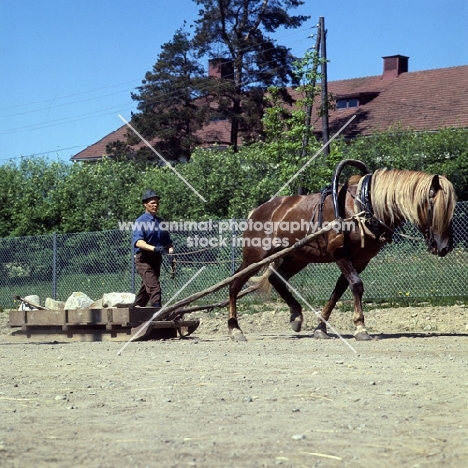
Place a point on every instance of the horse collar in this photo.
(365, 195)
(376, 227)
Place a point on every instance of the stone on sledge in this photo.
(118, 299)
(34, 299)
(78, 300)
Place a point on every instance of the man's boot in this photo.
(157, 305)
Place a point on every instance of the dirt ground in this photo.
(279, 399)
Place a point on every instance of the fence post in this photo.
(132, 266)
(54, 266)
(233, 248)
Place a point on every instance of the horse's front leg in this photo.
(341, 285)
(357, 288)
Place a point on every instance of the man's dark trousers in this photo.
(148, 265)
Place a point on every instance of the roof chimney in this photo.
(221, 68)
(394, 65)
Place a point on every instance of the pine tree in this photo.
(239, 30)
(172, 102)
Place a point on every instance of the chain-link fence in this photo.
(100, 262)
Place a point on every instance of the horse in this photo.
(371, 205)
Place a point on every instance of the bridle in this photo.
(429, 230)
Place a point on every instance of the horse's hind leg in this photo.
(278, 280)
(234, 289)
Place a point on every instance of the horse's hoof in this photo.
(296, 322)
(237, 335)
(296, 325)
(362, 336)
(321, 335)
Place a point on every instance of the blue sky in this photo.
(69, 66)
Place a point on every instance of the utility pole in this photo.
(310, 104)
(325, 130)
(305, 139)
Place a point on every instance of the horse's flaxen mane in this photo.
(399, 195)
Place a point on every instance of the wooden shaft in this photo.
(183, 302)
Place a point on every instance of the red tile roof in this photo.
(216, 133)
(422, 100)
(98, 150)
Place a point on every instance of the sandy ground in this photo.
(279, 399)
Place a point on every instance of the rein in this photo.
(172, 266)
(172, 269)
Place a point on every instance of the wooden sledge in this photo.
(110, 324)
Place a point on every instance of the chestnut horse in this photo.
(370, 207)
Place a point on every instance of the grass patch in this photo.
(401, 275)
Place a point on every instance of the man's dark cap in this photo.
(148, 195)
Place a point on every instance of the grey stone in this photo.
(33, 298)
(116, 299)
(53, 304)
(78, 300)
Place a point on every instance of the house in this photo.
(423, 101)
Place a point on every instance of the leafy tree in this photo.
(8, 176)
(239, 30)
(39, 196)
(94, 196)
(171, 101)
(31, 206)
(446, 152)
(441, 152)
(289, 137)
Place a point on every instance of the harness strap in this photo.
(363, 229)
(323, 195)
(363, 203)
(430, 216)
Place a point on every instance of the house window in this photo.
(344, 103)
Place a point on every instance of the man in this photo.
(149, 242)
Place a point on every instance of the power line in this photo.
(45, 152)
(68, 95)
(98, 113)
(246, 49)
(102, 96)
(107, 111)
(62, 121)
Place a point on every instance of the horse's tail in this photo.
(263, 285)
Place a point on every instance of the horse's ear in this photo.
(436, 183)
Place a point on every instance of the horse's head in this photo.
(438, 231)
